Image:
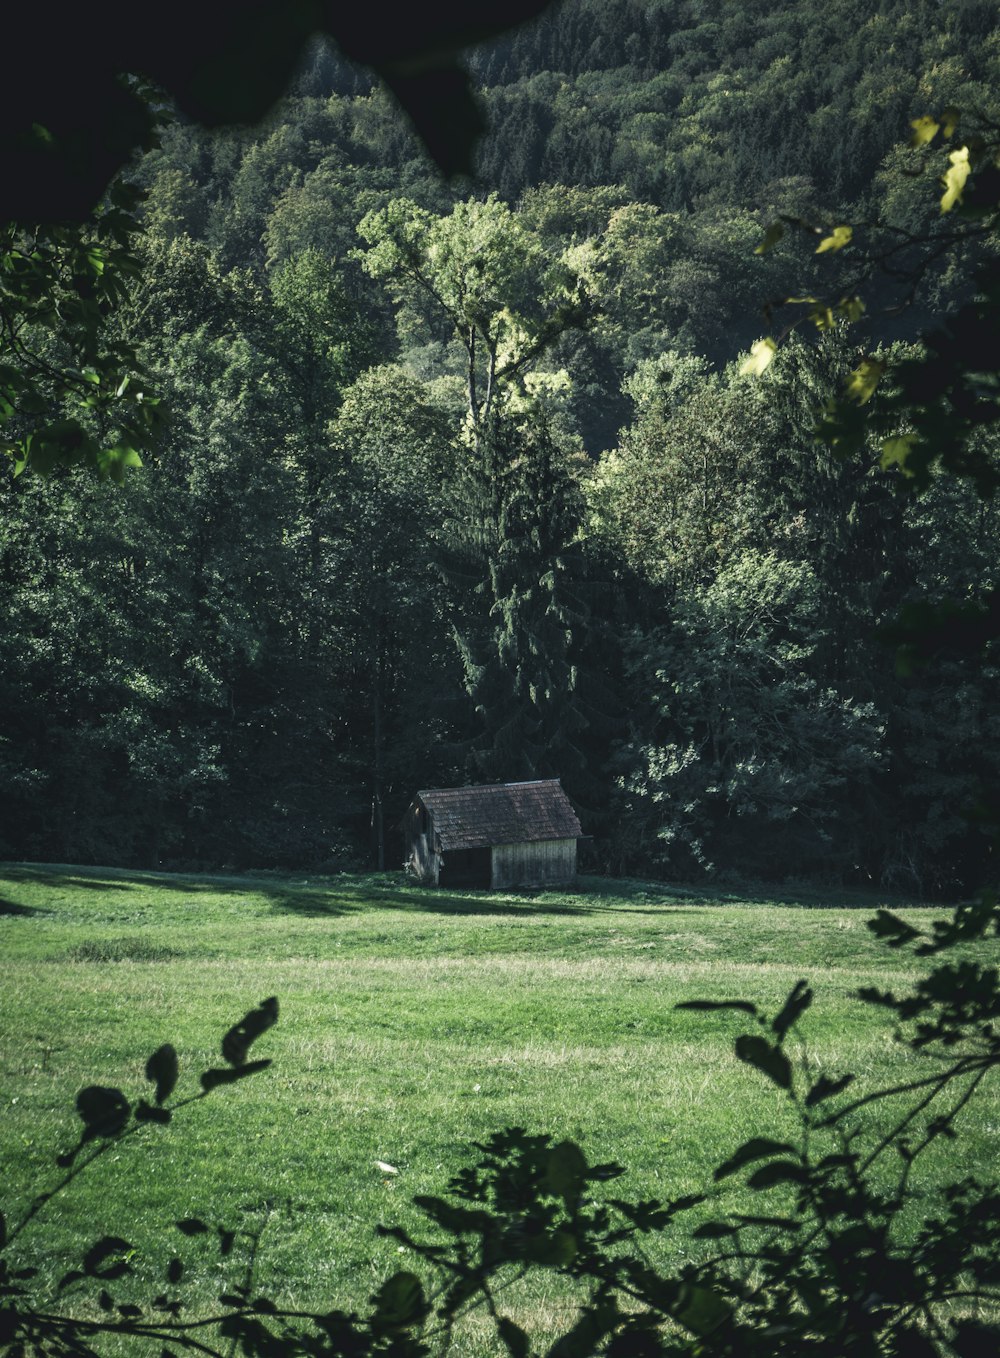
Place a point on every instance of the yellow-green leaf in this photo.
(924, 130)
(851, 307)
(954, 178)
(864, 379)
(836, 240)
(772, 235)
(762, 351)
(896, 451)
(823, 317)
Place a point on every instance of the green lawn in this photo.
(413, 1023)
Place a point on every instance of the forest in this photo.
(465, 480)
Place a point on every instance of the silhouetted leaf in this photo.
(162, 1069)
(771, 1061)
(242, 1035)
(514, 1337)
(73, 1276)
(191, 1226)
(226, 1239)
(654, 1215)
(211, 1079)
(714, 1230)
(555, 1249)
(454, 1220)
(895, 931)
(145, 1112)
(128, 1311)
(772, 1223)
(915, 1344)
(104, 1300)
(608, 1169)
(973, 1339)
(104, 1111)
(777, 1172)
(825, 1088)
(565, 1171)
(106, 1258)
(399, 1302)
(799, 1000)
(175, 1270)
(586, 1336)
(885, 998)
(757, 1148)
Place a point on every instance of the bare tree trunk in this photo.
(378, 752)
(470, 349)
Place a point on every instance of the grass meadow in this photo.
(413, 1023)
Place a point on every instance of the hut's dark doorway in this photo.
(467, 867)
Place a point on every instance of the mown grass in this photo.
(413, 1024)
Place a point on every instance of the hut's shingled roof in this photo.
(501, 813)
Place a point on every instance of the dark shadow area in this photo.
(121, 950)
(467, 868)
(13, 908)
(319, 895)
(92, 884)
(127, 879)
(751, 894)
(315, 902)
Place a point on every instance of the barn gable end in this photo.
(498, 835)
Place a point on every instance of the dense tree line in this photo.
(463, 481)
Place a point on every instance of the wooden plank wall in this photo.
(550, 862)
(421, 859)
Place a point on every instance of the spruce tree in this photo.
(515, 555)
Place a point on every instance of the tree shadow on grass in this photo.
(85, 879)
(15, 908)
(319, 895)
(414, 899)
(129, 879)
(344, 900)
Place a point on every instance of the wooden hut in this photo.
(499, 835)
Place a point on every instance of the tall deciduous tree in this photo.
(478, 277)
(392, 446)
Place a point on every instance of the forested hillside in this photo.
(463, 481)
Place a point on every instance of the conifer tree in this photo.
(514, 550)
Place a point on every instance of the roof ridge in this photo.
(501, 813)
(486, 787)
